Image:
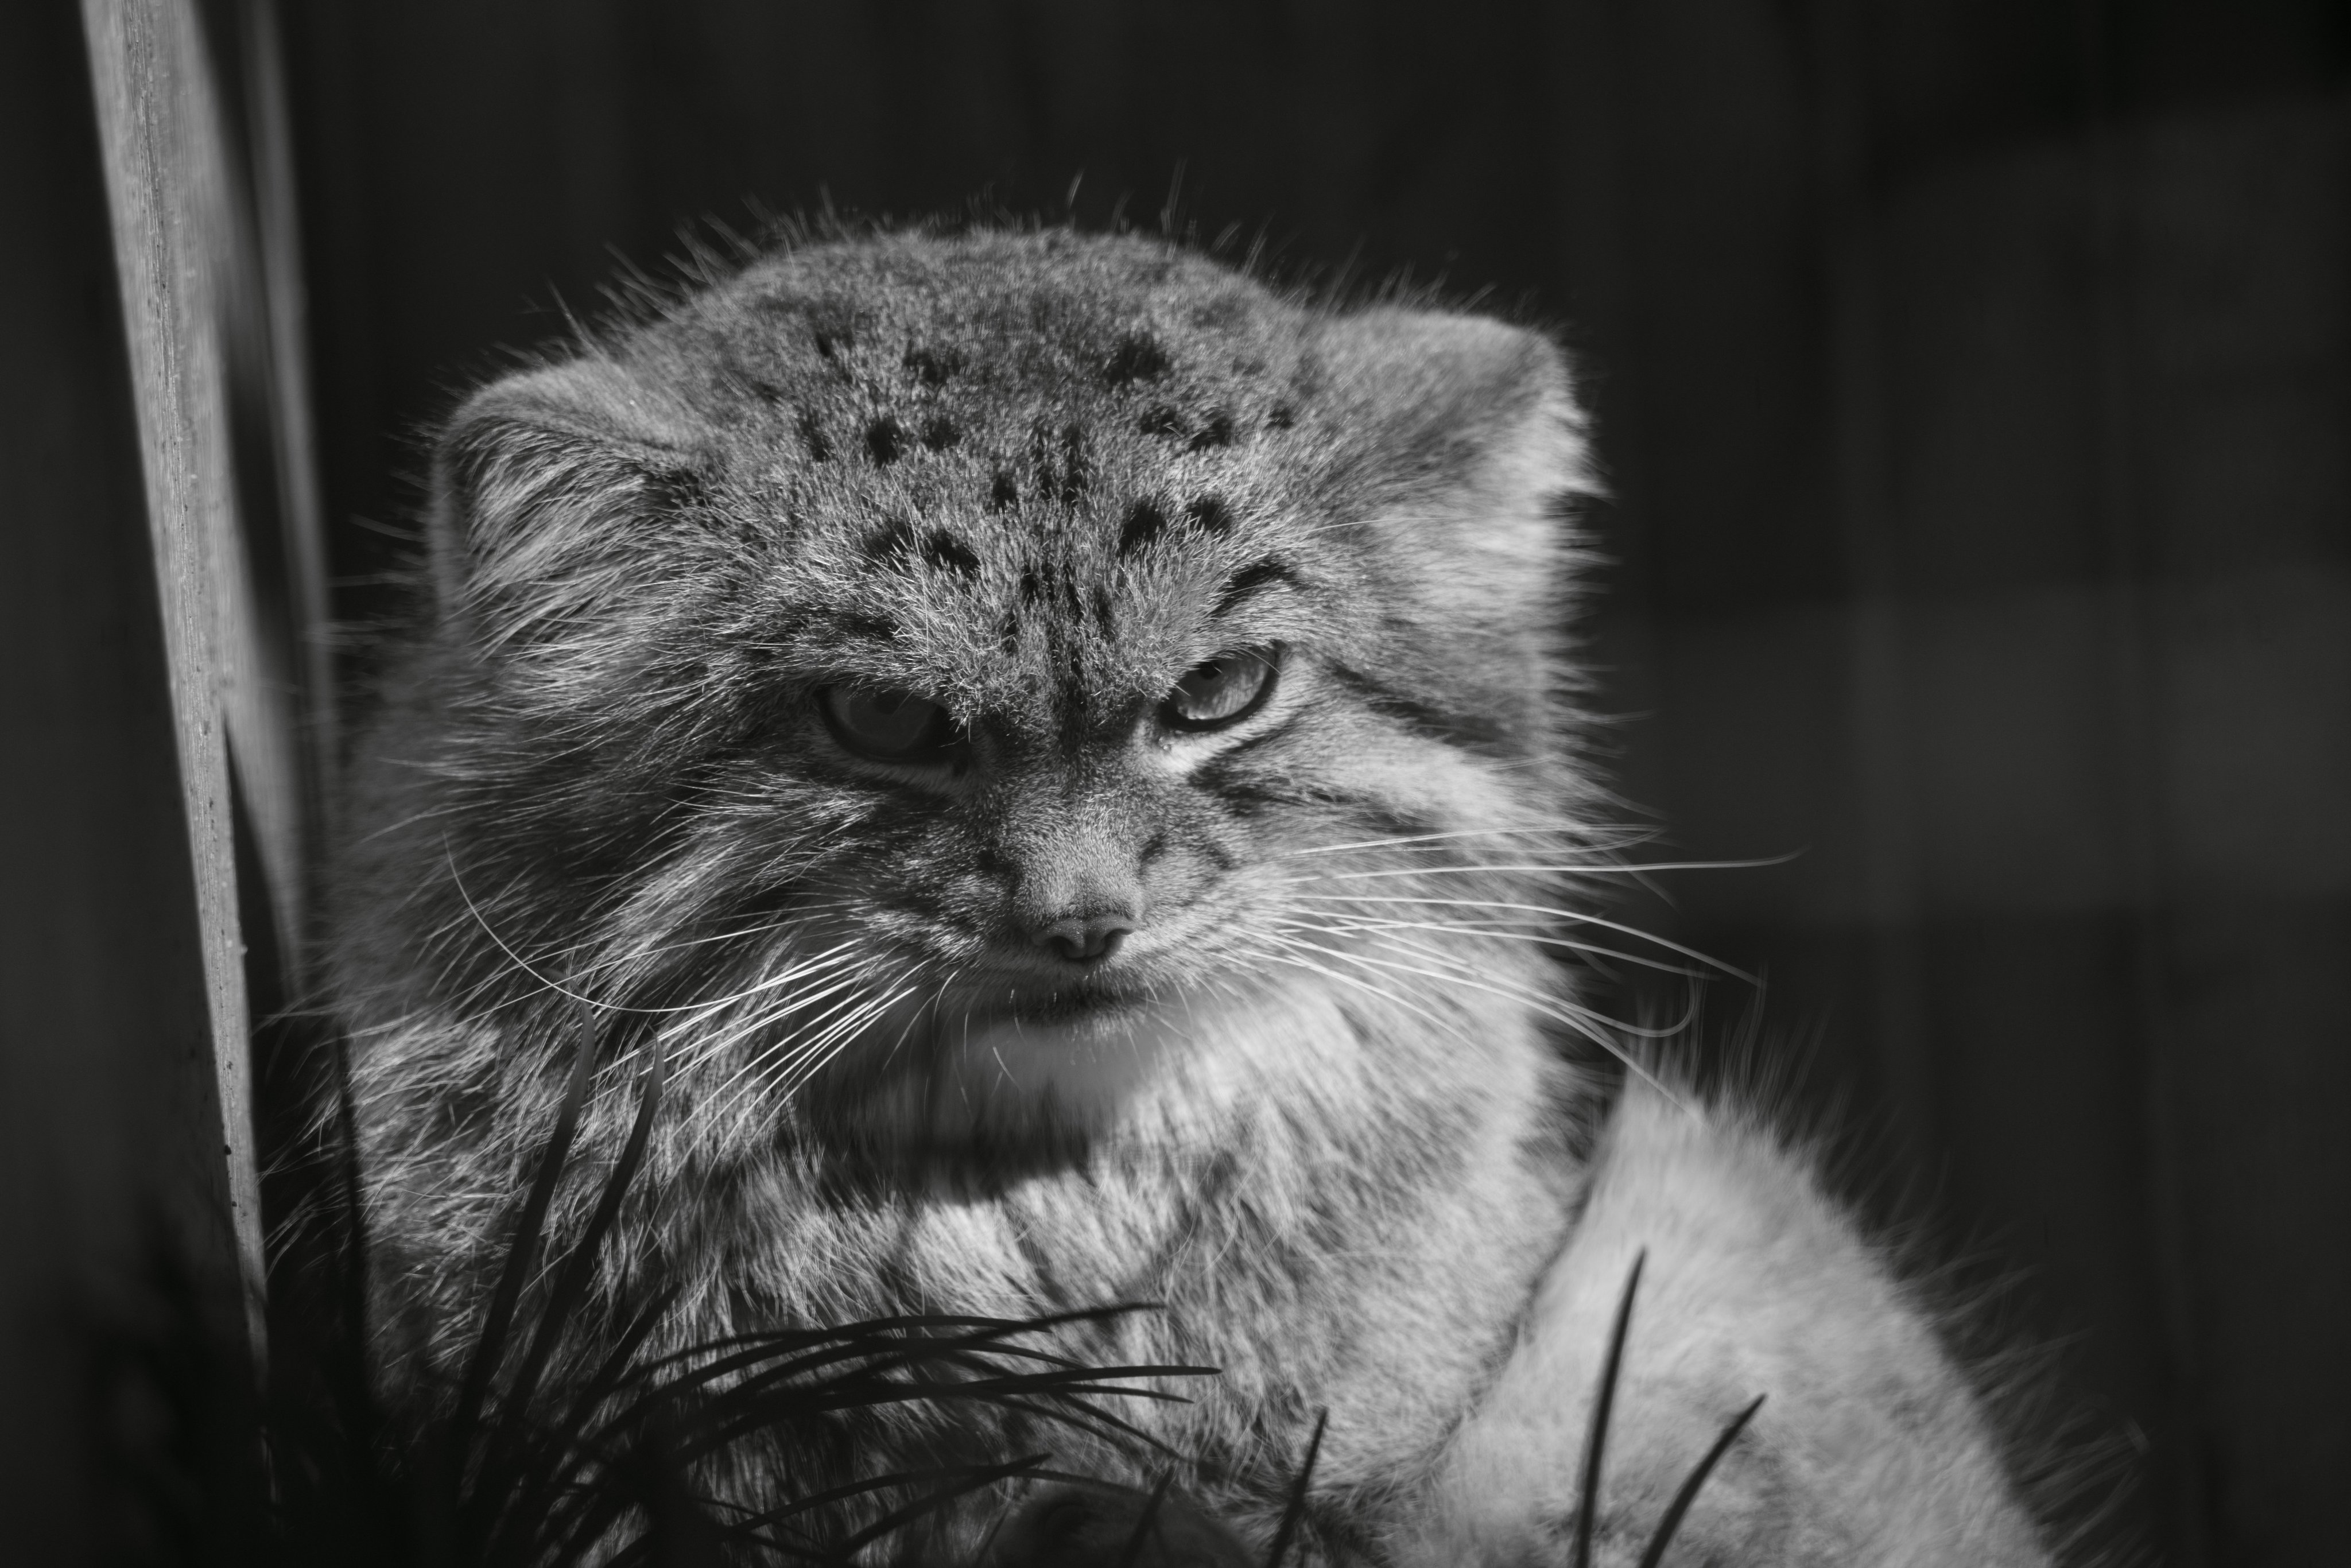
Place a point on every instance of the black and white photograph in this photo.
(1175, 783)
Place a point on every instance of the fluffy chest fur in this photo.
(1010, 775)
(1059, 755)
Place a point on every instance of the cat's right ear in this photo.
(546, 487)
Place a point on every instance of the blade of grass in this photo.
(1595, 1439)
(761, 1343)
(1146, 1522)
(741, 1418)
(1294, 1512)
(488, 1349)
(1671, 1519)
(572, 1448)
(508, 1457)
(571, 1285)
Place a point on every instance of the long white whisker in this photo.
(1577, 828)
(1491, 929)
(1436, 841)
(640, 954)
(805, 1061)
(1356, 981)
(702, 1008)
(834, 957)
(1543, 909)
(797, 1002)
(1583, 1020)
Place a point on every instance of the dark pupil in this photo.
(1218, 688)
(888, 721)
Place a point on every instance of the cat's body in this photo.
(1061, 756)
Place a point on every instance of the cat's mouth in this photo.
(972, 1008)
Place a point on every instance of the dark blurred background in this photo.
(1973, 379)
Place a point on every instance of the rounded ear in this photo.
(1443, 399)
(1459, 449)
(545, 487)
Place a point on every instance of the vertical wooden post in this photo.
(166, 172)
(198, 176)
(149, 715)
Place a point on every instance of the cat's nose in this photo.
(1087, 939)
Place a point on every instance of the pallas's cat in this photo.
(1065, 755)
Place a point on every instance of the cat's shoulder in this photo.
(1720, 1311)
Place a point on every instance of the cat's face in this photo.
(971, 664)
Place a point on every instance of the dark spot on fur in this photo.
(933, 367)
(1281, 418)
(882, 440)
(1032, 586)
(939, 433)
(1002, 492)
(767, 391)
(1137, 358)
(1145, 523)
(812, 436)
(678, 489)
(1253, 579)
(1210, 515)
(879, 627)
(1218, 432)
(948, 553)
(1007, 632)
(833, 331)
(1153, 848)
(1105, 609)
(1160, 420)
(892, 540)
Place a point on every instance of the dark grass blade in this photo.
(561, 1462)
(1294, 1512)
(878, 1359)
(489, 1348)
(1604, 1402)
(614, 1373)
(516, 1449)
(1147, 1522)
(748, 1349)
(580, 1265)
(506, 1469)
(709, 1427)
(798, 1352)
(1671, 1519)
(738, 1418)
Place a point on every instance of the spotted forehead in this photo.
(1004, 478)
(1040, 615)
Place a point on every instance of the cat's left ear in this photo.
(1455, 447)
(1467, 420)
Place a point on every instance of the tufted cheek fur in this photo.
(1035, 481)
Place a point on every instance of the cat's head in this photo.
(923, 642)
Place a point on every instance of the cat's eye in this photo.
(888, 725)
(1220, 691)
